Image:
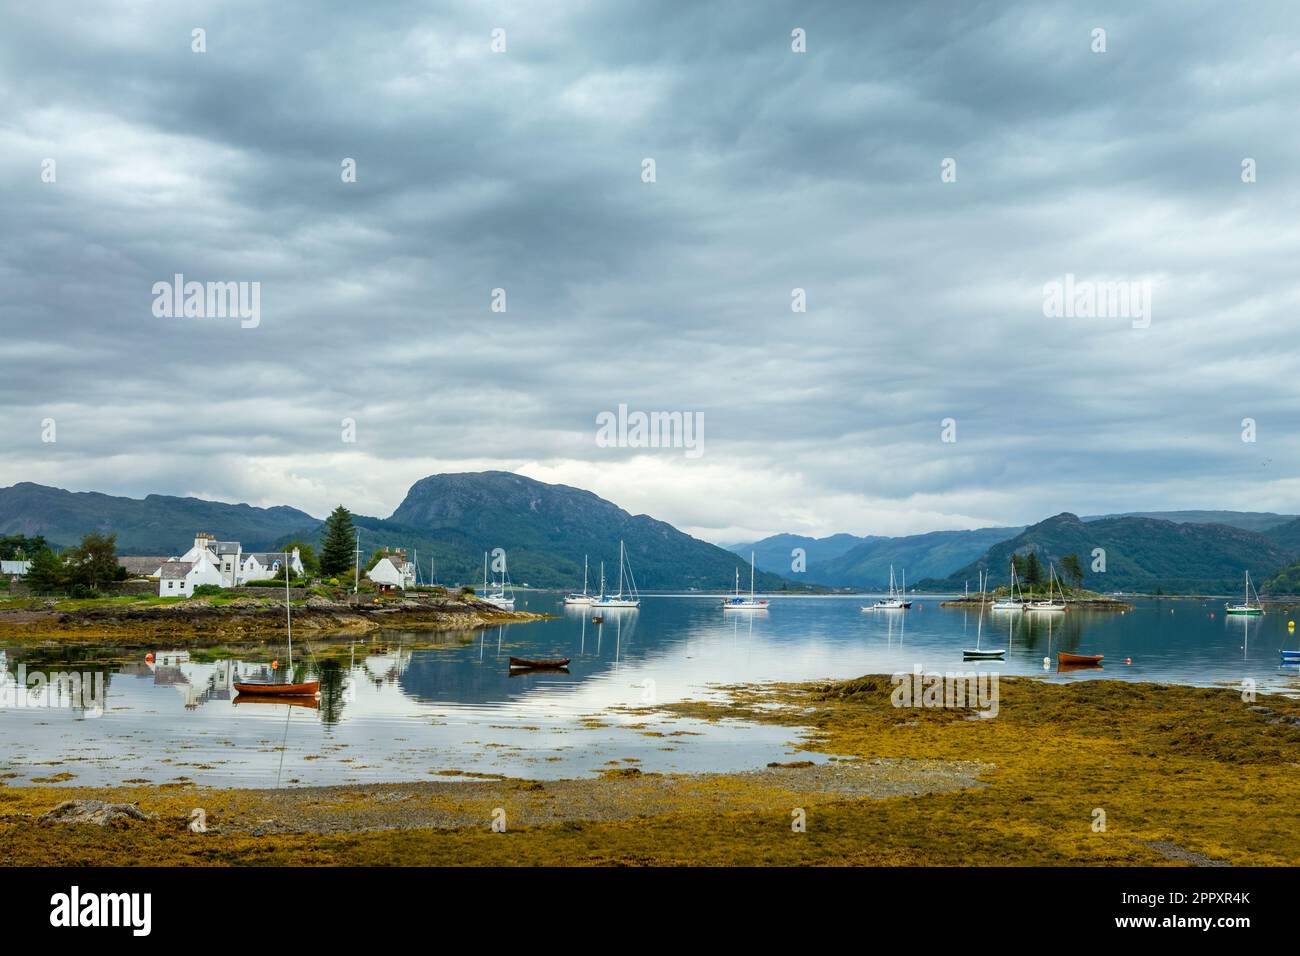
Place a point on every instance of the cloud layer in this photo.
(775, 170)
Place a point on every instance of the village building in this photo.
(180, 578)
(393, 570)
(226, 559)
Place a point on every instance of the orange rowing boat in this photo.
(1079, 658)
(306, 689)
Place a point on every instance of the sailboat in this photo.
(266, 688)
(897, 600)
(632, 599)
(1246, 607)
(1011, 602)
(975, 653)
(1049, 604)
(751, 603)
(498, 598)
(584, 598)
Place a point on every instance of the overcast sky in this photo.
(774, 170)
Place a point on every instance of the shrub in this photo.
(209, 590)
(82, 592)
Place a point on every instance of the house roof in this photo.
(138, 564)
(176, 569)
(265, 558)
(224, 547)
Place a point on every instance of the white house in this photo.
(393, 570)
(264, 565)
(235, 566)
(180, 578)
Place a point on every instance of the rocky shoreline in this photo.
(198, 621)
(1089, 603)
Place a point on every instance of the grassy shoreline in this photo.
(1183, 775)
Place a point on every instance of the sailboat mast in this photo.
(584, 575)
(288, 615)
(751, 575)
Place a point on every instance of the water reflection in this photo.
(405, 705)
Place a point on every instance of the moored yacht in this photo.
(1246, 606)
(738, 602)
(897, 600)
(584, 598)
(498, 598)
(632, 598)
(1049, 604)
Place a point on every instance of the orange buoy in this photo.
(1128, 660)
(275, 664)
(148, 658)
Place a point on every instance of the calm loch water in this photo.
(390, 712)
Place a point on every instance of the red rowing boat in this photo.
(1079, 658)
(308, 688)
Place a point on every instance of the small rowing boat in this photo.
(308, 688)
(539, 663)
(1064, 658)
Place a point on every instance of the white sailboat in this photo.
(1011, 602)
(897, 600)
(584, 598)
(1246, 607)
(976, 653)
(499, 597)
(739, 603)
(632, 598)
(1049, 604)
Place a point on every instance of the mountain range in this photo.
(447, 521)
(155, 525)
(1152, 550)
(844, 560)
(1141, 554)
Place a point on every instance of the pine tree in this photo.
(338, 543)
(1033, 569)
(47, 573)
(1073, 569)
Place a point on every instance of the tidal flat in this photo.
(1093, 773)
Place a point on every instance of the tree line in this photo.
(1030, 572)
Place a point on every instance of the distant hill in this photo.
(157, 524)
(933, 554)
(1142, 554)
(846, 560)
(545, 530)
(1287, 537)
(775, 553)
(1249, 520)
